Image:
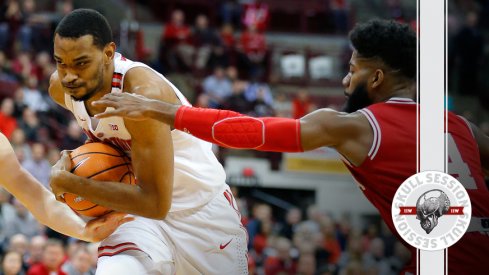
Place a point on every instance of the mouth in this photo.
(72, 90)
(71, 87)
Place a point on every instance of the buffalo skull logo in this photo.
(430, 206)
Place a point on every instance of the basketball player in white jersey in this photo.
(41, 203)
(186, 218)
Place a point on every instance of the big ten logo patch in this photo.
(114, 127)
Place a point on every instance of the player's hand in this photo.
(100, 228)
(130, 106)
(58, 175)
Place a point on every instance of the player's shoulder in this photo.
(339, 122)
(389, 110)
(141, 76)
(3, 140)
(144, 81)
(6, 150)
(358, 120)
(53, 79)
(142, 73)
(55, 90)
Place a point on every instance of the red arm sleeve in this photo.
(234, 130)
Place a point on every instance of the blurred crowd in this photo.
(312, 242)
(28, 248)
(468, 59)
(232, 66)
(306, 242)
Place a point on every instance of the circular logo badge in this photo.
(431, 210)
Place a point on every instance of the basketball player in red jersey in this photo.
(186, 221)
(376, 133)
(41, 203)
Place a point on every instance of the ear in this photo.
(109, 52)
(377, 78)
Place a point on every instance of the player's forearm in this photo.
(61, 218)
(43, 205)
(233, 130)
(125, 198)
(161, 111)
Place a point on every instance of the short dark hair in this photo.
(394, 43)
(82, 22)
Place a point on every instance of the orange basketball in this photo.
(102, 162)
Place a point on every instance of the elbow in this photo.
(157, 210)
(160, 213)
(155, 204)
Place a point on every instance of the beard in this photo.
(92, 91)
(358, 99)
(86, 96)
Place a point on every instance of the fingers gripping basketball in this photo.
(100, 162)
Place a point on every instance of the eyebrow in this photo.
(83, 57)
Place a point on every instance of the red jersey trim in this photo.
(115, 246)
(116, 249)
(117, 80)
(110, 254)
(377, 133)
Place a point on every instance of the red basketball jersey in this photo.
(392, 159)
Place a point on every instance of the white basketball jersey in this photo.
(198, 175)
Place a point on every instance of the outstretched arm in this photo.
(226, 128)
(43, 205)
(350, 134)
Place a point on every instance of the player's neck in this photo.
(402, 89)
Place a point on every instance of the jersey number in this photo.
(457, 167)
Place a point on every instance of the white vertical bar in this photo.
(431, 112)
(432, 262)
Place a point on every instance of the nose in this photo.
(346, 80)
(70, 77)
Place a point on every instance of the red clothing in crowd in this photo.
(275, 266)
(333, 247)
(300, 108)
(253, 42)
(227, 39)
(41, 269)
(177, 33)
(338, 4)
(256, 14)
(19, 68)
(7, 125)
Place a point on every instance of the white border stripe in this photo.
(377, 133)
(418, 75)
(432, 138)
(431, 96)
(400, 99)
(400, 102)
(445, 110)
